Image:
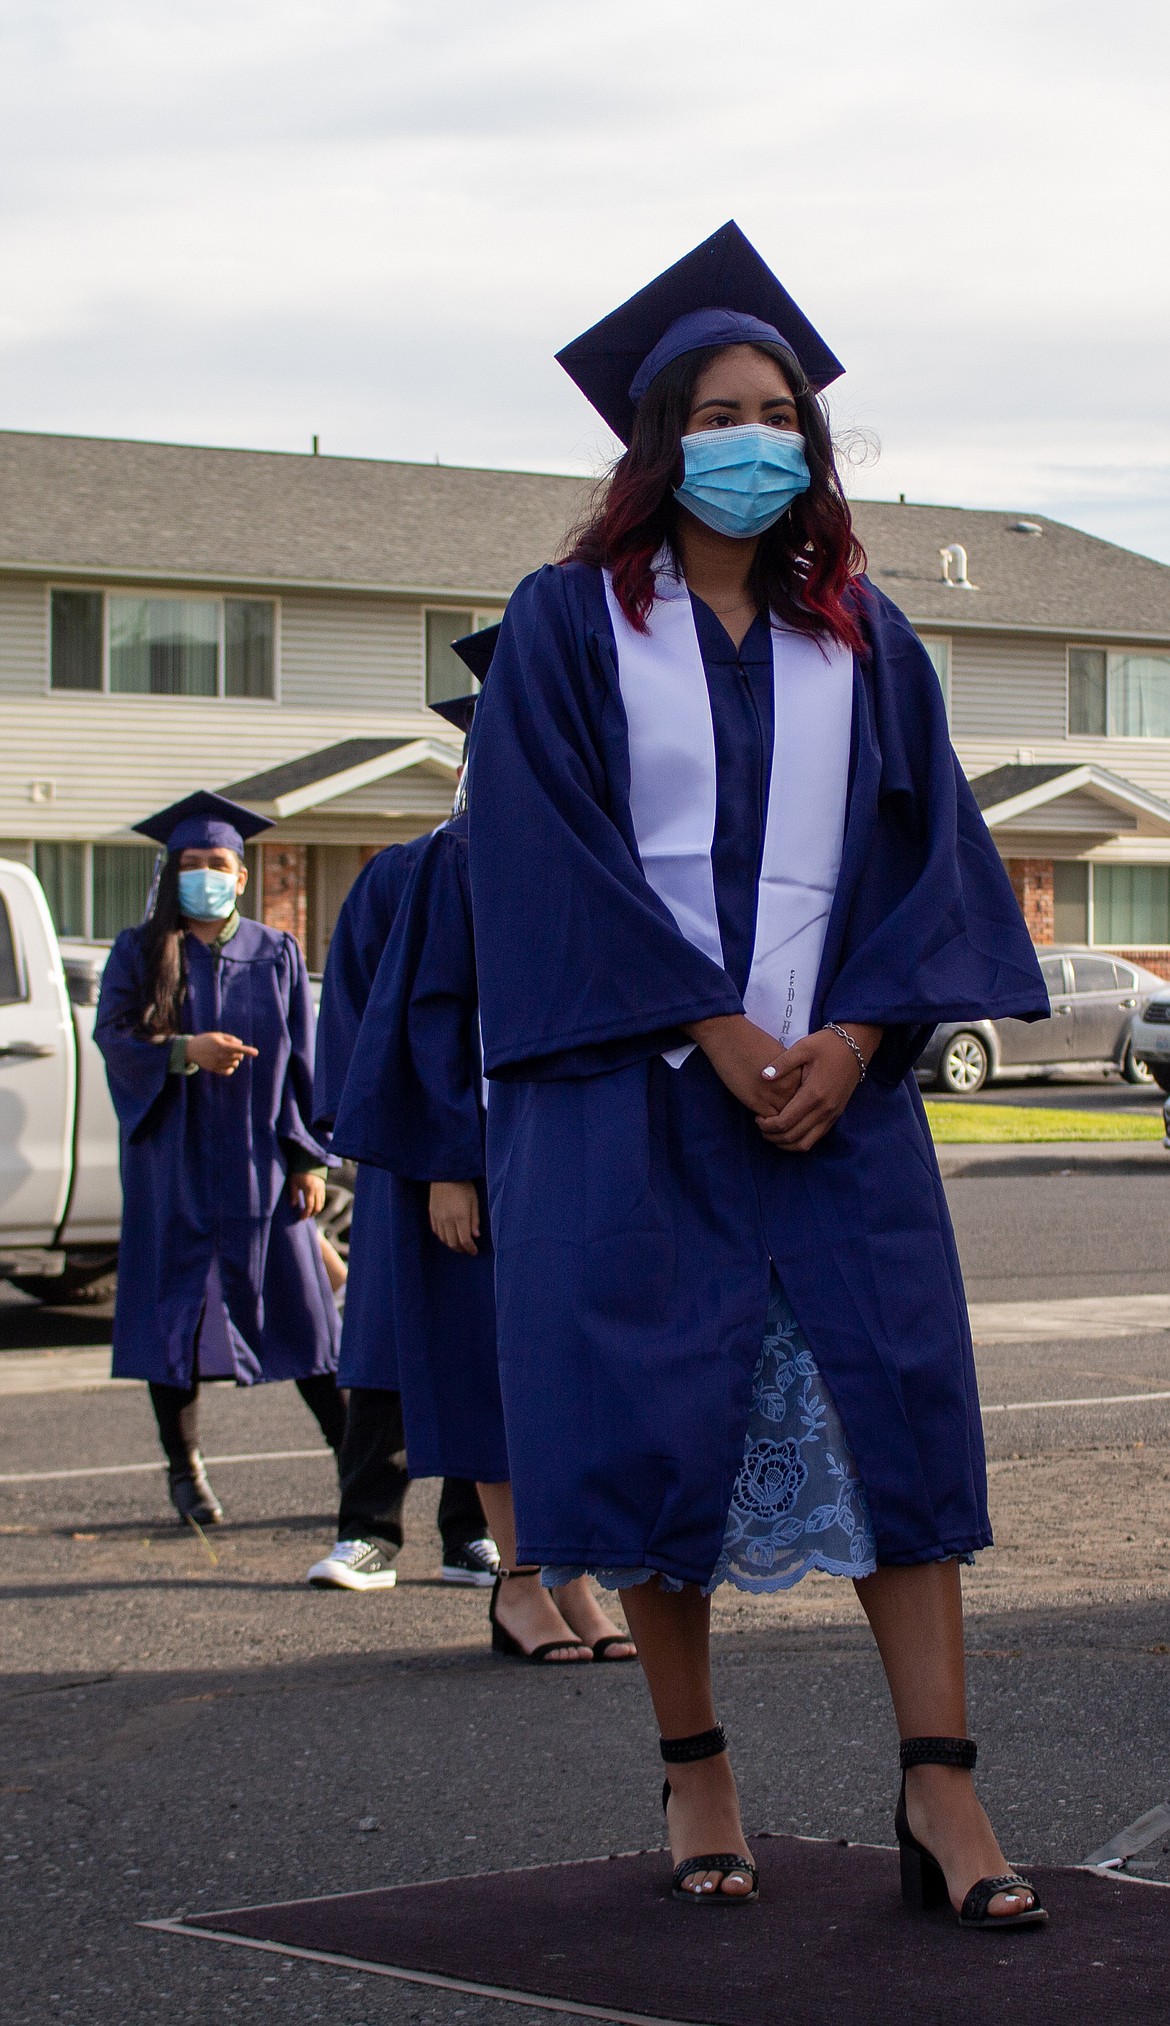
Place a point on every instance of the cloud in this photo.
(378, 221)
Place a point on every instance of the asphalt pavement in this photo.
(183, 1733)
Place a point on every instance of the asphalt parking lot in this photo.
(184, 1734)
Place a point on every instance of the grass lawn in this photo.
(954, 1123)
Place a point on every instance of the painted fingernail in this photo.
(768, 1071)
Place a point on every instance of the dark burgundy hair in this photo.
(803, 566)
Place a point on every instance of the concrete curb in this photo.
(1055, 1157)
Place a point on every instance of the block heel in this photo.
(924, 1885)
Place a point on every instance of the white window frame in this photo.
(218, 598)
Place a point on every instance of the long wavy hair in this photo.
(804, 566)
(163, 944)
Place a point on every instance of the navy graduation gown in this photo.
(413, 1106)
(204, 1169)
(636, 1209)
(369, 1347)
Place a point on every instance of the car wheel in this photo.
(1134, 1071)
(964, 1065)
(1161, 1075)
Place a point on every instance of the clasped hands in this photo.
(807, 1086)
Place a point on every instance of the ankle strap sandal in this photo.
(508, 1646)
(924, 1884)
(683, 1752)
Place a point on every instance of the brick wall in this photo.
(285, 887)
(1033, 885)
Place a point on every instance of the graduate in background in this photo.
(414, 1104)
(372, 1464)
(726, 874)
(205, 1022)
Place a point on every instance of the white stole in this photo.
(673, 796)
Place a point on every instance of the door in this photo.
(1041, 1041)
(1104, 998)
(37, 1066)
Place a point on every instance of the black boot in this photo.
(191, 1495)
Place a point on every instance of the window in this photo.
(151, 646)
(1139, 696)
(248, 647)
(940, 653)
(61, 871)
(1118, 695)
(76, 630)
(1086, 691)
(1093, 974)
(121, 887)
(1131, 904)
(1070, 919)
(11, 983)
(446, 675)
(1052, 972)
(164, 646)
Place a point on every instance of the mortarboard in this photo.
(475, 651)
(721, 293)
(201, 821)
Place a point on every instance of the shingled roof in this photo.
(87, 506)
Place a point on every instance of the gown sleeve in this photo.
(137, 1070)
(301, 1150)
(935, 932)
(412, 1101)
(581, 966)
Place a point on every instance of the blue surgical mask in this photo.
(739, 481)
(207, 896)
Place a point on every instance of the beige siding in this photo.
(113, 758)
(1007, 687)
(356, 654)
(24, 638)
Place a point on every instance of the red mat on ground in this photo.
(829, 1940)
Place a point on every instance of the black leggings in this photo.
(176, 1409)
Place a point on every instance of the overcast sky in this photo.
(243, 221)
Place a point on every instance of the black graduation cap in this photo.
(475, 651)
(202, 821)
(721, 293)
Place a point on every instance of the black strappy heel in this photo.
(924, 1883)
(680, 1752)
(505, 1642)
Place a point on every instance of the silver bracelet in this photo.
(831, 1027)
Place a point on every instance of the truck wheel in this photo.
(964, 1065)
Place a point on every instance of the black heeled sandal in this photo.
(505, 1642)
(680, 1752)
(924, 1884)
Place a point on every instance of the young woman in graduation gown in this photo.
(205, 1021)
(726, 874)
(413, 1104)
(372, 1463)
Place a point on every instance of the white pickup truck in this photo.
(60, 1196)
(60, 1193)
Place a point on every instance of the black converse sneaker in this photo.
(476, 1562)
(355, 1565)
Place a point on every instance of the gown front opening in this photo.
(720, 1360)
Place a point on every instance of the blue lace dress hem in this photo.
(798, 1502)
